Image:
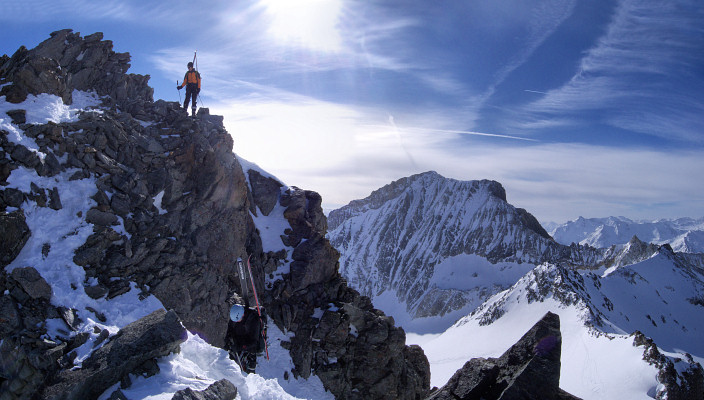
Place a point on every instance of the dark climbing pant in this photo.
(191, 92)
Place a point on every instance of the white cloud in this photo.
(561, 181)
(332, 149)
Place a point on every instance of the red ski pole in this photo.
(256, 300)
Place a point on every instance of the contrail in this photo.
(461, 132)
(482, 134)
(534, 91)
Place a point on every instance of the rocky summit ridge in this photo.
(168, 209)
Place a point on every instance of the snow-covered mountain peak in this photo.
(392, 241)
(428, 184)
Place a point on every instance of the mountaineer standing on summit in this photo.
(192, 82)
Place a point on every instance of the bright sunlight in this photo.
(306, 23)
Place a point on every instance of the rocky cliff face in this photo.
(395, 238)
(168, 211)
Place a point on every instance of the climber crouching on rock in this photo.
(192, 82)
(246, 334)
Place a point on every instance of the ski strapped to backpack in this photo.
(243, 277)
(195, 66)
(256, 300)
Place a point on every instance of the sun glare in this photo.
(306, 23)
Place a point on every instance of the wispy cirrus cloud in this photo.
(41, 10)
(638, 77)
(155, 14)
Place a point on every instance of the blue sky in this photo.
(590, 108)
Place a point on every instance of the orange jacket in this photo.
(191, 77)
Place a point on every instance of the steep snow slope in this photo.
(429, 249)
(660, 297)
(684, 234)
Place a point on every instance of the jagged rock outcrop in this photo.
(26, 359)
(680, 379)
(530, 369)
(265, 191)
(68, 62)
(171, 213)
(353, 348)
(15, 233)
(151, 337)
(632, 252)
(220, 390)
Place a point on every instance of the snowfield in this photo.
(593, 366)
(597, 316)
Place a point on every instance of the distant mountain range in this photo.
(683, 234)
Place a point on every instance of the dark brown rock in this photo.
(95, 216)
(530, 369)
(153, 336)
(32, 283)
(18, 116)
(220, 390)
(312, 263)
(15, 234)
(265, 191)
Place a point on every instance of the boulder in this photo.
(18, 116)
(32, 283)
(315, 261)
(25, 156)
(102, 218)
(13, 198)
(156, 335)
(15, 234)
(220, 390)
(530, 369)
(265, 191)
